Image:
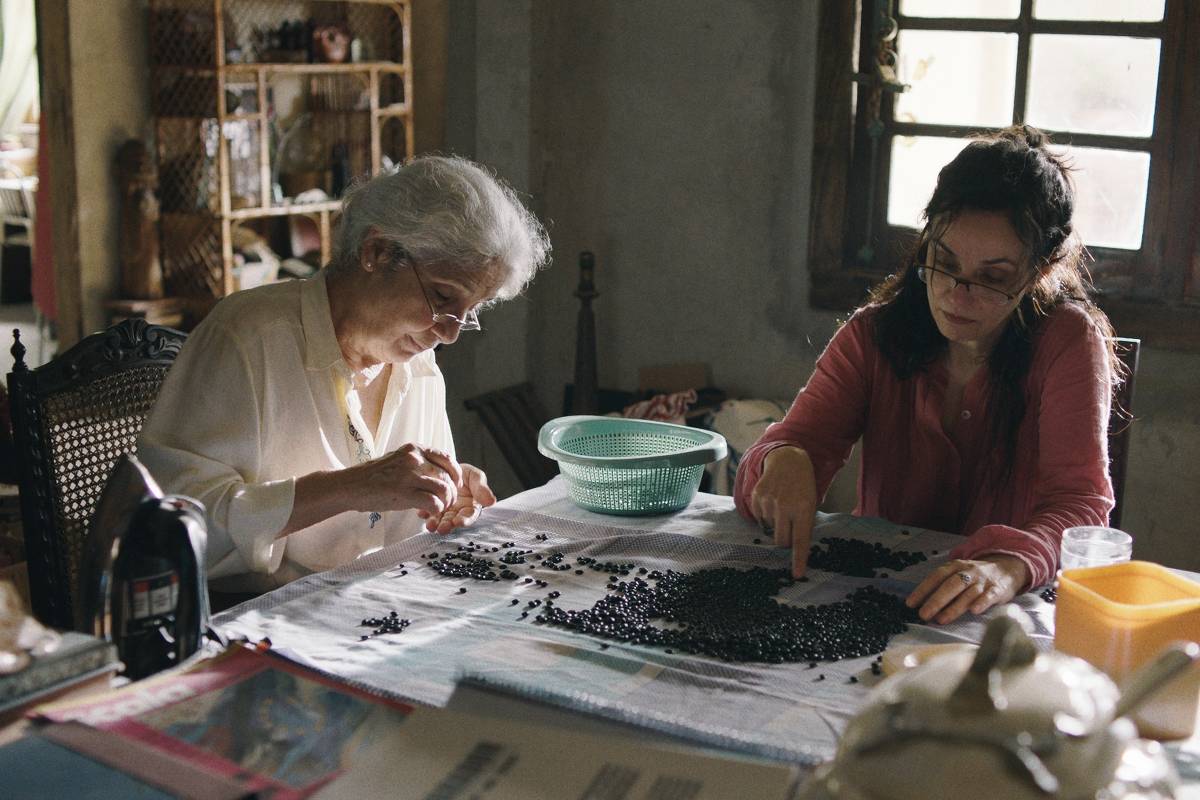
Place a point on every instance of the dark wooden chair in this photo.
(72, 418)
(513, 416)
(1120, 421)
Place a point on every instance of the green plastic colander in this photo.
(631, 467)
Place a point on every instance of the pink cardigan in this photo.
(914, 473)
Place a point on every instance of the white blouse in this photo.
(261, 395)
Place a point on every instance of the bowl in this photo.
(630, 467)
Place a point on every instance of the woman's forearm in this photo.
(319, 496)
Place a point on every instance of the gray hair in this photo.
(444, 209)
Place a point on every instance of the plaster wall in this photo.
(675, 142)
(110, 87)
(495, 74)
(1163, 481)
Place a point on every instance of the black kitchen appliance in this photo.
(143, 577)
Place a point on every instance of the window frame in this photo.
(1152, 293)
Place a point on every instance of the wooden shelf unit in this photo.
(219, 127)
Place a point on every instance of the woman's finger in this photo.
(944, 595)
(468, 515)
(477, 483)
(962, 602)
(766, 518)
(443, 460)
(990, 596)
(434, 471)
(759, 510)
(429, 503)
(438, 488)
(932, 581)
(801, 545)
(781, 530)
(781, 523)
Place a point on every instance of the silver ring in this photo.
(966, 578)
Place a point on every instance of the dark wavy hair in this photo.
(1012, 172)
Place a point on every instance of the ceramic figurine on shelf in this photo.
(141, 270)
(331, 43)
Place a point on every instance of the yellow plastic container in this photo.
(1121, 616)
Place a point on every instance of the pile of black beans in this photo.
(463, 564)
(860, 559)
(391, 623)
(1049, 594)
(514, 557)
(732, 615)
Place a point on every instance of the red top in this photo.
(914, 473)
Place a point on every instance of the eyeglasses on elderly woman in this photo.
(469, 321)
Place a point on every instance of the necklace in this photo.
(363, 455)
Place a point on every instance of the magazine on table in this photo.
(276, 726)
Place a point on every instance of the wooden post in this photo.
(264, 141)
(406, 57)
(584, 397)
(376, 123)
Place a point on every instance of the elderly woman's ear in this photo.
(375, 251)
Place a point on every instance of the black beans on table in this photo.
(733, 615)
(860, 559)
(389, 623)
(721, 612)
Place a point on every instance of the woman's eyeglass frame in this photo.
(467, 322)
(989, 295)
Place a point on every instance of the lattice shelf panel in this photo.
(260, 102)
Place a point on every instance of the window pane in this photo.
(1093, 84)
(957, 77)
(916, 161)
(1109, 10)
(1110, 195)
(975, 9)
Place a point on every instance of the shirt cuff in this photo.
(750, 470)
(1004, 540)
(257, 513)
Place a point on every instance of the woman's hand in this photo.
(960, 586)
(416, 477)
(474, 495)
(784, 502)
(411, 477)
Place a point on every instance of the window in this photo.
(1112, 81)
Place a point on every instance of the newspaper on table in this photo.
(443, 754)
(787, 711)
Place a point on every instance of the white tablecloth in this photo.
(773, 710)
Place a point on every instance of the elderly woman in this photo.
(309, 416)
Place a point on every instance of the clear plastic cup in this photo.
(1094, 546)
